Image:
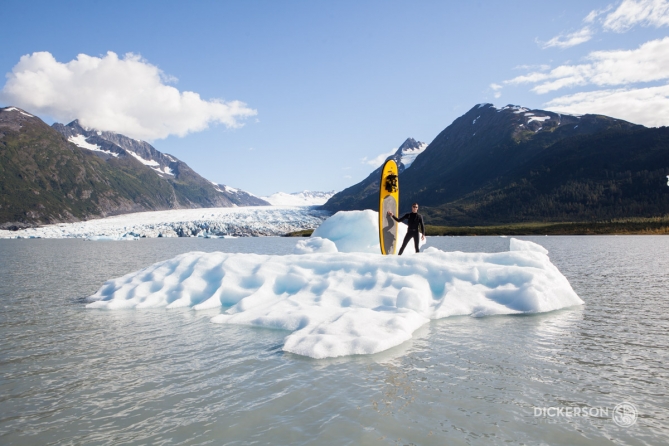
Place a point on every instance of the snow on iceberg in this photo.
(345, 303)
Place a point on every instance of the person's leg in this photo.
(415, 241)
(404, 243)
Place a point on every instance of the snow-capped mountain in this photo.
(240, 196)
(113, 145)
(67, 173)
(110, 144)
(407, 153)
(405, 156)
(304, 198)
(511, 164)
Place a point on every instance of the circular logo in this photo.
(625, 414)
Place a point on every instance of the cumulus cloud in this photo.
(650, 62)
(127, 95)
(647, 106)
(569, 40)
(378, 160)
(637, 12)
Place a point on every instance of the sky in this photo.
(287, 96)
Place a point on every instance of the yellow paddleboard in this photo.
(389, 200)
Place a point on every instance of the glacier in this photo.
(203, 222)
(336, 303)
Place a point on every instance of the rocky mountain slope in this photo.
(45, 177)
(368, 188)
(194, 190)
(513, 164)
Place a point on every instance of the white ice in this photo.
(108, 238)
(538, 118)
(346, 303)
(363, 236)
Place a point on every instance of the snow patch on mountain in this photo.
(409, 155)
(304, 198)
(538, 118)
(150, 163)
(80, 141)
(20, 111)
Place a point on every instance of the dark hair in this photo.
(414, 204)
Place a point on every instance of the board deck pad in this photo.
(388, 201)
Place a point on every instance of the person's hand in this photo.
(390, 212)
(422, 236)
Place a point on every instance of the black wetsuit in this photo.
(415, 221)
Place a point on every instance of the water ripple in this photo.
(72, 376)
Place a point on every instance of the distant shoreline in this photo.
(636, 226)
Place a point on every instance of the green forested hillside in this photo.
(45, 179)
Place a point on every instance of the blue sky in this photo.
(324, 86)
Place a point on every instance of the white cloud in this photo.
(650, 62)
(638, 12)
(378, 160)
(592, 15)
(126, 95)
(496, 89)
(627, 15)
(542, 67)
(569, 40)
(647, 106)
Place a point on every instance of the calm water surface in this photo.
(74, 376)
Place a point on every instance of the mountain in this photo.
(44, 178)
(304, 198)
(193, 190)
(406, 154)
(512, 164)
(368, 188)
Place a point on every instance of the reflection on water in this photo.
(70, 375)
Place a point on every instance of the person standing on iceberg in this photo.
(415, 220)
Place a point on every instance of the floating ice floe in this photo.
(338, 303)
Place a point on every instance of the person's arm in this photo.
(422, 226)
(398, 219)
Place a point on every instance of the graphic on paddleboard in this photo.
(389, 198)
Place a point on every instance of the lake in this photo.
(71, 375)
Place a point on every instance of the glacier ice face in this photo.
(344, 303)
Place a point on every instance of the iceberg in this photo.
(337, 302)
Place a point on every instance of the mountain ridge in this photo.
(493, 165)
(195, 190)
(44, 178)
